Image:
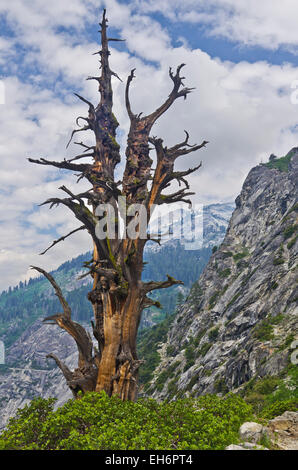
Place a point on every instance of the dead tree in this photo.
(118, 295)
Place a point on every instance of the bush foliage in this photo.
(97, 422)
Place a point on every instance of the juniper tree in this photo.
(118, 294)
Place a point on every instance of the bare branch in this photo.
(91, 106)
(82, 155)
(63, 367)
(127, 101)
(98, 79)
(153, 285)
(78, 333)
(82, 213)
(148, 302)
(180, 175)
(66, 165)
(87, 147)
(175, 93)
(174, 197)
(110, 274)
(116, 39)
(63, 238)
(179, 149)
(114, 74)
(85, 128)
(58, 292)
(79, 380)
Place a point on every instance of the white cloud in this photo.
(243, 109)
(266, 23)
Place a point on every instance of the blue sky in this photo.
(241, 56)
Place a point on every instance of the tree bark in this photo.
(118, 295)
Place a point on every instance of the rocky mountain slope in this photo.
(240, 319)
(27, 373)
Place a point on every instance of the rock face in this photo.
(240, 318)
(30, 374)
(284, 430)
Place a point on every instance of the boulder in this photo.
(251, 432)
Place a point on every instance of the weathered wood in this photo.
(118, 294)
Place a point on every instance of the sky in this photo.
(241, 56)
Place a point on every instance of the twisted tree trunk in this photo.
(118, 295)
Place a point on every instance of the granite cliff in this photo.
(240, 319)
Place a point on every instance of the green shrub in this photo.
(213, 334)
(204, 349)
(220, 386)
(213, 299)
(97, 422)
(287, 388)
(226, 254)
(167, 374)
(289, 231)
(266, 385)
(207, 372)
(172, 387)
(278, 261)
(192, 382)
(281, 164)
(171, 350)
(224, 273)
(189, 353)
(264, 330)
(233, 299)
(199, 336)
(277, 319)
(273, 394)
(278, 408)
(25, 429)
(188, 364)
(239, 256)
(287, 342)
(190, 357)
